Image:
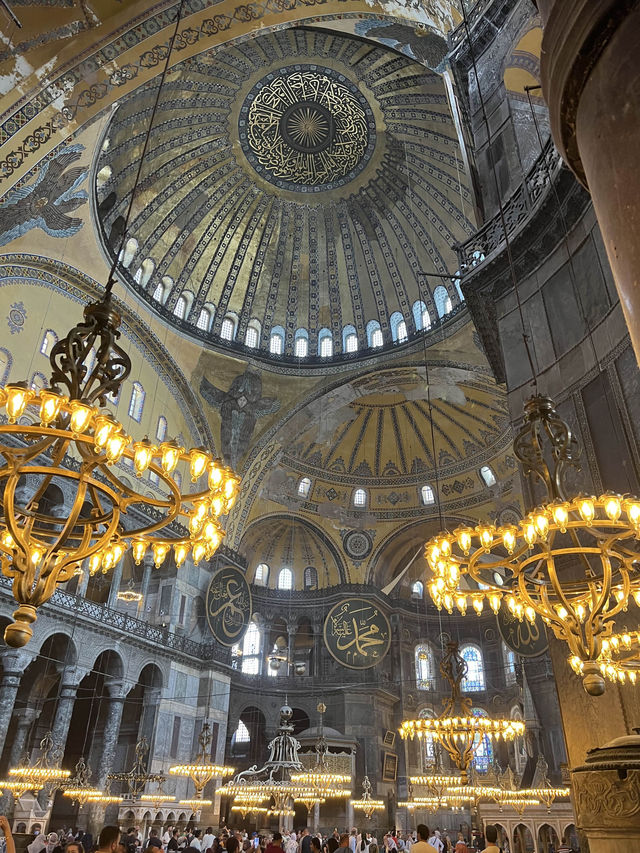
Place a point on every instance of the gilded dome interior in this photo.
(297, 185)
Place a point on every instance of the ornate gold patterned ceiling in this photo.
(299, 183)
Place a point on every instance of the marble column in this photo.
(152, 696)
(146, 580)
(14, 661)
(70, 679)
(115, 707)
(591, 78)
(114, 589)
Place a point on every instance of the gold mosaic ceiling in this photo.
(299, 180)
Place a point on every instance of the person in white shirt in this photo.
(436, 842)
(195, 841)
(208, 839)
(422, 845)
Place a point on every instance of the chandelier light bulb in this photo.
(81, 416)
(143, 453)
(170, 451)
(199, 459)
(50, 406)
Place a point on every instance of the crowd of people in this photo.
(194, 840)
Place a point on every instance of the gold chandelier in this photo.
(44, 773)
(78, 788)
(62, 436)
(459, 730)
(138, 776)
(201, 771)
(367, 803)
(16, 789)
(619, 659)
(322, 782)
(573, 561)
(159, 797)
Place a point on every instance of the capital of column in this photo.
(15, 661)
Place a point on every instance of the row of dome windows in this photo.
(285, 577)
(475, 679)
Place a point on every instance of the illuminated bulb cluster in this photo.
(41, 551)
(201, 773)
(195, 805)
(39, 774)
(81, 794)
(516, 565)
(619, 659)
(459, 728)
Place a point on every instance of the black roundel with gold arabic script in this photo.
(228, 605)
(525, 638)
(357, 633)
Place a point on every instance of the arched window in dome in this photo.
(241, 735)
(128, 251)
(205, 318)
(261, 576)
(325, 343)
(144, 272)
(374, 334)
(310, 578)
(488, 476)
(474, 680)
(183, 305)
(6, 360)
(162, 289)
(161, 429)
(428, 497)
(349, 339)
(285, 579)
(442, 300)
(303, 487)
(509, 658)
(38, 382)
(301, 343)
(359, 498)
(398, 327)
(417, 589)
(483, 758)
(425, 668)
(252, 335)
(276, 341)
(228, 328)
(251, 649)
(49, 339)
(421, 316)
(136, 402)
(428, 744)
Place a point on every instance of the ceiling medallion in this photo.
(306, 128)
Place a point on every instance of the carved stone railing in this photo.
(490, 239)
(474, 14)
(84, 609)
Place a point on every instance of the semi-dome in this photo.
(300, 196)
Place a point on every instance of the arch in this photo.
(398, 327)
(522, 839)
(128, 251)
(359, 498)
(427, 495)
(144, 272)
(38, 382)
(548, 841)
(417, 590)
(109, 662)
(261, 576)
(205, 317)
(483, 755)
(304, 487)
(285, 579)
(474, 680)
(421, 316)
(162, 289)
(301, 343)
(228, 328)
(6, 360)
(310, 577)
(276, 340)
(374, 334)
(252, 649)
(487, 475)
(183, 305)
(349, 339)
(425, 667)
(48, 340)
(442, 301)
(240, 738)
(150, 675)
(161, 428)
(252, 335)
(136, 402)
(325, 343)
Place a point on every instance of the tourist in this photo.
(436, 842)
(9, 843)
(233, 845)
(344, 840)
(207, 839)
(305, 840)
(421, 845)
(291, 845)
(491, 835)
(565, 845)
(108, 839)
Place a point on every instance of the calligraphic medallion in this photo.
(228, 605)
(525, 638)
(357, 633)
(306, 128)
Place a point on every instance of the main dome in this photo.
(300, 195)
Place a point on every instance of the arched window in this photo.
(398, 327)
(252, 335)
(417, 589)
(421, 316)
(442, 300)
(205, 319)
(474, 680)
(128, 252)
(374, 334)
(241, 735)
(285, 579)
(251, 648)
(429, 747)
(228, 329)
(6, 360)
(50, 338)
(488, 477)
(136, 403)
(303, 487)
(359, 498)
(162, 289)
(325, 343)
(276, 341)
(144, 272)
(161, 429)
(509, 658)
(261, 576)
(349, 339)
(483, 758)
(310, 578)
(180, 308)
(301, 343)
(38, 382)
(428, 496)
(424, 667)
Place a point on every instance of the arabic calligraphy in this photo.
(357, 633)
(528, 639)
(228, 605)
(305, 128)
